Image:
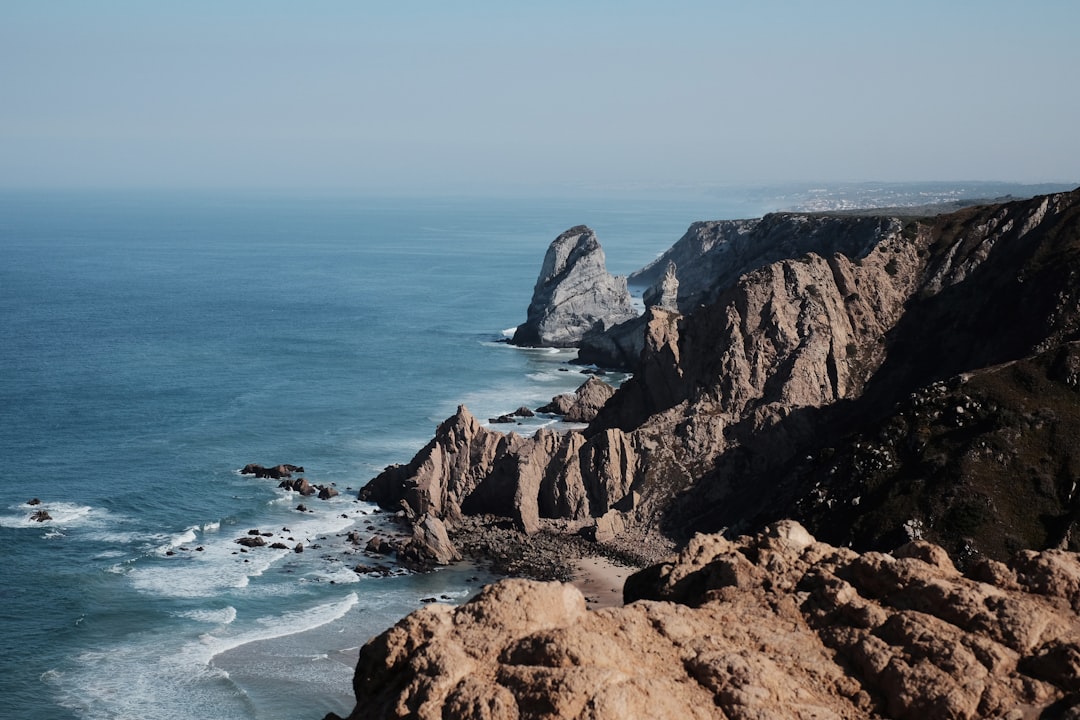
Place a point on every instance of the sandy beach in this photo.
(600, 581)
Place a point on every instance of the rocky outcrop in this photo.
(989, 286)
(297, 485)
(277, 472)
(429, 545)
(621, 346)
(469, 469)
(773, 625)
(583, 404)
(665, 293)
(450, 469)
(521, 412)
(574, 295)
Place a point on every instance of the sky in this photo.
(478, 96)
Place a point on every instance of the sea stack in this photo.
(575, 295)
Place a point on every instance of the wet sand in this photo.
(600, 581)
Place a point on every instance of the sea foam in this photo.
(64, 515)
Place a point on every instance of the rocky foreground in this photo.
(769, 626)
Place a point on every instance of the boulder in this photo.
(33, 501)
(583, 404)
(326, 492)
(300, 485)
(251, 541)
(559, 405)
(588, 399)
(380, 546)
(41, 516)
(521, 412)
(608, 527)
(574, 295)
(430, 545)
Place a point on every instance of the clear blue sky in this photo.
(480, 96)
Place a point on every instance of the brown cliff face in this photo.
(992, 285)
(732, 405)
(774, 625)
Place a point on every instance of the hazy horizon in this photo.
(483, 97)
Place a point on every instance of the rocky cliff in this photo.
(945, 300)
(711, 257)
(889, 381)
(574, 295)
(771, 625)
(737, 408)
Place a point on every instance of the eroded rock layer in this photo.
(768, 626)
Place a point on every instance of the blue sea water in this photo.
(153, 343)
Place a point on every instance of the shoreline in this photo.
(272, 672)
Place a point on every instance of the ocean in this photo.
(153, 343)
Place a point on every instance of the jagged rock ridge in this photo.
(775, 625)
(470, 469)
(712, 256)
